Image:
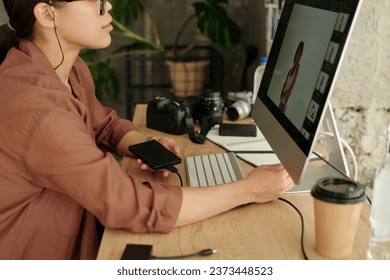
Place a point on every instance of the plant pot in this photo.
(187, 77)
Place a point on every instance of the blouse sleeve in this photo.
(64, 158)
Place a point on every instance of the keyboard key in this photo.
(208, 171)
(216, 170)
(192, 180)
(224, 169)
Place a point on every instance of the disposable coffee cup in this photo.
(337, 207)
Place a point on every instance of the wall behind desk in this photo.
(361, 99)
(3, 14)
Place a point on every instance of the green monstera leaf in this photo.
(216, 24)
(126, 10)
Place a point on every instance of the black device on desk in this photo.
(235, 129)
(137, 252)
(154, 154)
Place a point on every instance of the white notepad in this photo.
(240, 143)
(259, 159)
(249, 145)
(254, 150)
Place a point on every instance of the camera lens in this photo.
(211, 103)
(238, 110)
(212, 94)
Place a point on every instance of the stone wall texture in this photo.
(361, 98)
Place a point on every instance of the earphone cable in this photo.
(58, 40)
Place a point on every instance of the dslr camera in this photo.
(177, 116)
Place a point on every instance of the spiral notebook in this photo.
(254, 150)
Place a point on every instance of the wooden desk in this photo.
(259, 231)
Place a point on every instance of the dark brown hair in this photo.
(21, 18)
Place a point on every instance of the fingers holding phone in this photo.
(153, 154)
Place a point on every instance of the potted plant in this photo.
(187, 72)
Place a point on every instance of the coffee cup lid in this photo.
(338, 190)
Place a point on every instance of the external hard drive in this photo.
(235, 129)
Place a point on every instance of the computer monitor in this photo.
(302, 66)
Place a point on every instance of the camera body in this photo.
(177, 116)
(166, 115)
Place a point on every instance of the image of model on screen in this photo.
(291, 78)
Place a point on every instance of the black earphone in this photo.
(58, 39)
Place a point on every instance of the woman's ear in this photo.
(43, 13)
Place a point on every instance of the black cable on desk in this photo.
(302, 223)
(174, 170)
(205, 252)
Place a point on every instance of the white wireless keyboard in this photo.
(212, 169)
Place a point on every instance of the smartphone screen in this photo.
(154, 154)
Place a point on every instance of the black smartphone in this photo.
(154, 154)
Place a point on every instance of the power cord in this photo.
(351, 153)
(302, 225)
(205, 252)
(174, 170)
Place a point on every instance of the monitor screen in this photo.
(300, 73)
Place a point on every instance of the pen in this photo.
(253, 152)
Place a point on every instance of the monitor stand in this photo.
(327, 144)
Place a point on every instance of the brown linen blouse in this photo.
(56, 176)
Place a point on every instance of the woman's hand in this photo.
(268, 182)
(170, 144)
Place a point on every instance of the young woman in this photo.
(56, 174)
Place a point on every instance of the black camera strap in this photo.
(198, 138)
